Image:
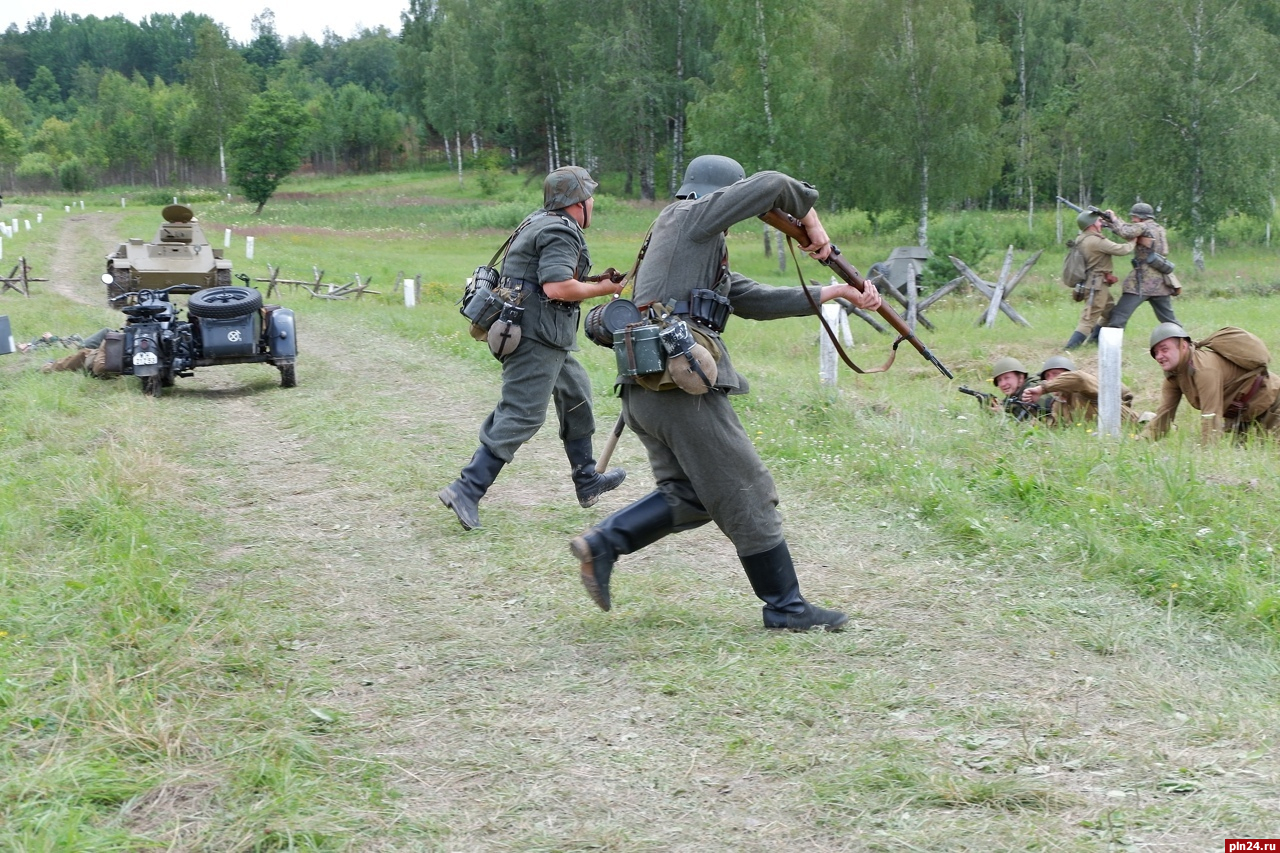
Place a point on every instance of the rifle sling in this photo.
(817, 309)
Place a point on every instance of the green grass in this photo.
(161, 686)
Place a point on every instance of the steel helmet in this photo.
(708, 173)
(1085, 219)
(1142, 210)
(1056, 362)
(1165, 331)
(1005, 365)
(566, 186)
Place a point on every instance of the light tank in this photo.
(179, 255)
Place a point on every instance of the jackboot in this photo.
(1093, 336)
(773, 578)
(1075, 341)
(589, 484)
(463, 494)
(626, 531)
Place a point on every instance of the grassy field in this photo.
(236, 617)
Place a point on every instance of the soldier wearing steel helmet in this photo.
(1072, 395)
(1099, 276)
(1012, 379)
(546, 265)
(1228, 396)
(1144, 283)
(702, 459)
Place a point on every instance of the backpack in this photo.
(1073, 267)
(1243, 349)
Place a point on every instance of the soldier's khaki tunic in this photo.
(1210, 383)
(542, 369)
(1075, 398)
(1098, 253)
(703, 461)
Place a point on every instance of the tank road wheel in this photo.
(288, 375)
(224, 303)
(152, 386)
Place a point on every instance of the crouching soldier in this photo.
(1224, 376)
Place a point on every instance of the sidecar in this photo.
(224, 325)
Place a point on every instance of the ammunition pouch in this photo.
(706, 308)
(1079, 293)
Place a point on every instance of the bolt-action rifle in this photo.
(1013, 406)
(793, 228)
(1093, 208)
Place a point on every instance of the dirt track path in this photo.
(515, 716)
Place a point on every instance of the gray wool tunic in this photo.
(703, 461)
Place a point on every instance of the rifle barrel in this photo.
(793, 228)
(1077, 208)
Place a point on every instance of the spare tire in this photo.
(223, 303)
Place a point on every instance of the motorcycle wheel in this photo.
(288, 376)
(152, 386)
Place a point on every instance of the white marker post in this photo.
(226, 239)
(122, 201)
(248, 247)
(66, 208)
(1109, 347)
(39, 218)
(27, 222)
(410, 298)
(828, 363)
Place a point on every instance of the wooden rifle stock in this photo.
(793, 228)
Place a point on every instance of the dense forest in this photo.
(898, 106)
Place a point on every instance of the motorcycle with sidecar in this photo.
(224, 325)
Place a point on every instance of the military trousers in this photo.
(533, 377)
(705, 465)
(1129, 302)
(1097, 309)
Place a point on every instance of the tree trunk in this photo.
(762, 57)
(458, 144)
(922, 227)
(677, 124)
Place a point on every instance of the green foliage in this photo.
(36, 167)
(72, 175)
(267, 146)
(966, 237)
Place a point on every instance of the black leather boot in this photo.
(1075, 341)
(773, 577)
(626, 531)
(463, 494)
(589, 484)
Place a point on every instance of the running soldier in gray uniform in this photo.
(546, 264)
(702, 459)
(1144, 284)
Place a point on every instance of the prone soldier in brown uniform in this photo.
(703, 462)
(1147, 282)
(546, 264)
(1099, 276)
(1072, 394)
(1229, 396)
